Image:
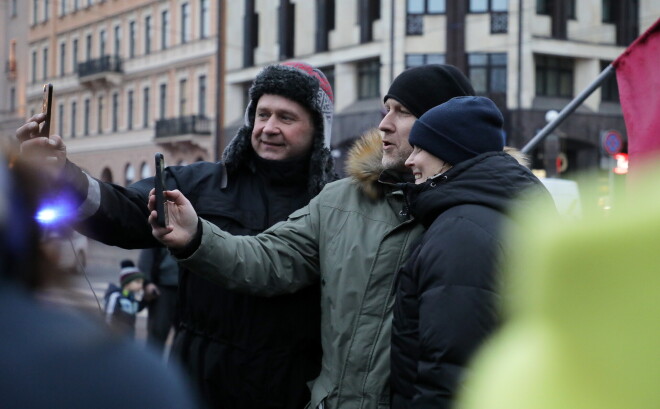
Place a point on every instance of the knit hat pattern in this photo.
(422, 88)
(460, 129)
(306, 85)
(129, 272)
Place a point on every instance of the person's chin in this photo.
(271, 155)
(391, 162)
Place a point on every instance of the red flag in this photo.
(638, 75)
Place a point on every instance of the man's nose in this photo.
(386, 123)
(271, 126)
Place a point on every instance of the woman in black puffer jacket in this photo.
(446, 293)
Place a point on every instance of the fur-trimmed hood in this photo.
(305, 85)
(364, 165)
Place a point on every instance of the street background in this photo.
(83, 290)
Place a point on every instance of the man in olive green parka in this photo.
(351, 240)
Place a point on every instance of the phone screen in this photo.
(46, 106)
(159, 186)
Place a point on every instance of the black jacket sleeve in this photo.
(120, 214)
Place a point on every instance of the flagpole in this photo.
(568, 109)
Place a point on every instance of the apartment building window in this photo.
(131, 39)
(368, 12)
(147, 35)
(99, 118)
(103, 39)
(183, 100)
(35, 10)
(76, 5)
(86, 117)
(164, 29)
(426, 6)
(115, 111)
(325, 22)
(63, 7)
(45, 63)
(201, 95)
(486, 6)
(12, 63)
(130, 107)
(487, 72)
(625, 15)
(286, 29)
(74, 54)
(46, 9)
(554, 76)
(329, 72)
(162, 103)
(415, 60)
(498, 9)
(185, 23)
(250, 33)
(204, 19)
(129, 174)
(62, 58)
(609, 91)
(89, 3)
(88, 47)
(34, 66)
(608, 11)
(145, 107)
(145, 171)
(368, 79)
(12, 99)
(117, 45)
(545, 7)
(14, 8)
(60, 119)
(74, 113)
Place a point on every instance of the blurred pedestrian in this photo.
(123, 302)
(52, 358)
(446, 293)
(583, 318)
(160, 293)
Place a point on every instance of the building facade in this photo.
(529, 56)
(130, 77)
(13, 57)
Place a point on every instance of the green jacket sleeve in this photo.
(280, 260)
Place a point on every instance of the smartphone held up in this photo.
(46, 106)
(159, 187)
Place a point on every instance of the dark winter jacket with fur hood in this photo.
(242, 351)
(446, 293)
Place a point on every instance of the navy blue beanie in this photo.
(459, 129)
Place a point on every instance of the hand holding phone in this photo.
(46, 106)
(159, 186)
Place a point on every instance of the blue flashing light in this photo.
(47, 215)
(54, 213)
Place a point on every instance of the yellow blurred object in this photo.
(583, 313)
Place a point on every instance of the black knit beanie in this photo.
(460, 129)
(421, 88)
(129, 272)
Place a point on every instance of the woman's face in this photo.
(424, 165)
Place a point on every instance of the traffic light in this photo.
(621, 167)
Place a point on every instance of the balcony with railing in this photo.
(182, 129)
(104, 70)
